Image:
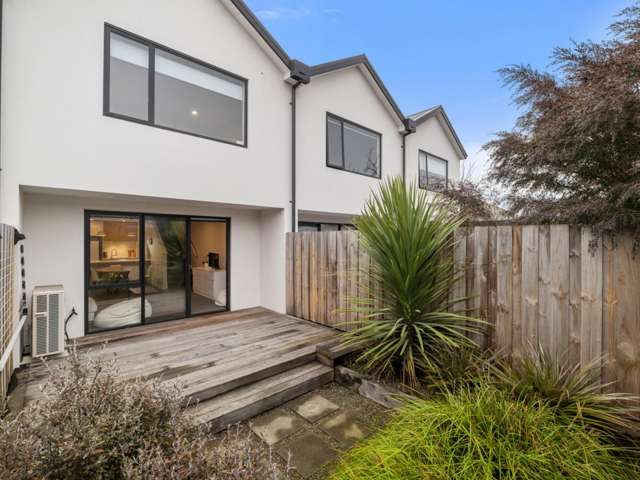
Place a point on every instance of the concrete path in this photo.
(312, 430)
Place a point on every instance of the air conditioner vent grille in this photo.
(54, 321)
(41, 335)
(48, 329)
(41, 304)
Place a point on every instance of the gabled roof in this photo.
(438, 111)
(358, 60)
(262, 31)
(363, 61)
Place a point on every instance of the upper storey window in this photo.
(433, 171)
(352, 147)
(148, 83)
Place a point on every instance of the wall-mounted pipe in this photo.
(298, 75)
(409, 128)
(294, 208)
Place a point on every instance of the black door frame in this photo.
(201, 218)
(141, 247)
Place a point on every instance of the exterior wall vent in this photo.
(47, 316)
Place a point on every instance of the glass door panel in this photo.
(209, 261)
(164, 266)
(113, 286)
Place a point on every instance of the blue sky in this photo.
(431, 52)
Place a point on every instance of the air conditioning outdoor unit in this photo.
(47, 322)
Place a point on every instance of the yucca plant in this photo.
(575, 393)
(406, 305)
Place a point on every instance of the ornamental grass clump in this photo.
(93, 424)
(405, 304)
(483, 434)
(573, 393)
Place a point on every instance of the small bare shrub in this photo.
(93, 424)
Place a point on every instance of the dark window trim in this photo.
(446, 162)
(88, 213)
(342, 121)
(318, 225)
(152, 46)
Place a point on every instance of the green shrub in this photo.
(457, 368)
(407, 315)
(92, 424)
(483, 434)
(574, 393)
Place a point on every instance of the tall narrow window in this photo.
(148, 83)
(128, 77)
(334, 143)
(433, 172)
(352, 147)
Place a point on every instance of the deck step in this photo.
(250, 400)
(210, 382)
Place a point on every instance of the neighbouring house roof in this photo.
(335, 65)
(358, 61)
(439, 112)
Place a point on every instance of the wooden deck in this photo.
(232, 365)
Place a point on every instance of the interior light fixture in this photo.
(194, 113)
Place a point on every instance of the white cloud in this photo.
(282, 13)
(331, 11)
(477, 164)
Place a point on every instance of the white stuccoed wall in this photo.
(55, 139)
(348, 94)
(55, 135)
(431, 137)
(54, 226)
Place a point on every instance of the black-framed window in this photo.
(155, 85)
(433, 172)
(352, 147)
(324, 227)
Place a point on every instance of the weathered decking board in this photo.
(206, 355)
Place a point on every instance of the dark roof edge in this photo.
(301, 72)
(432, 112)
(262, 31)
(347, 62)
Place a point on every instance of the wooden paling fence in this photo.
(8, 303)
(575, 293)
(320, 278)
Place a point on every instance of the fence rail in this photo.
(573, 292)
(8, 304)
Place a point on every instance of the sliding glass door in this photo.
(114, 272)
(146, 268)
(165, 266)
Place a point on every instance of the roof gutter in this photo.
(409, 128)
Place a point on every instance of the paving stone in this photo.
(314, 407)
(309, 452)
(345, 428)
(276, 425)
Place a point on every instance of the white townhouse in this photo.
(155, 153)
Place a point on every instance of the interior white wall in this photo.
(348, 94)
(209, 237)
(431, 137)
(55, 135)
(54, 248)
